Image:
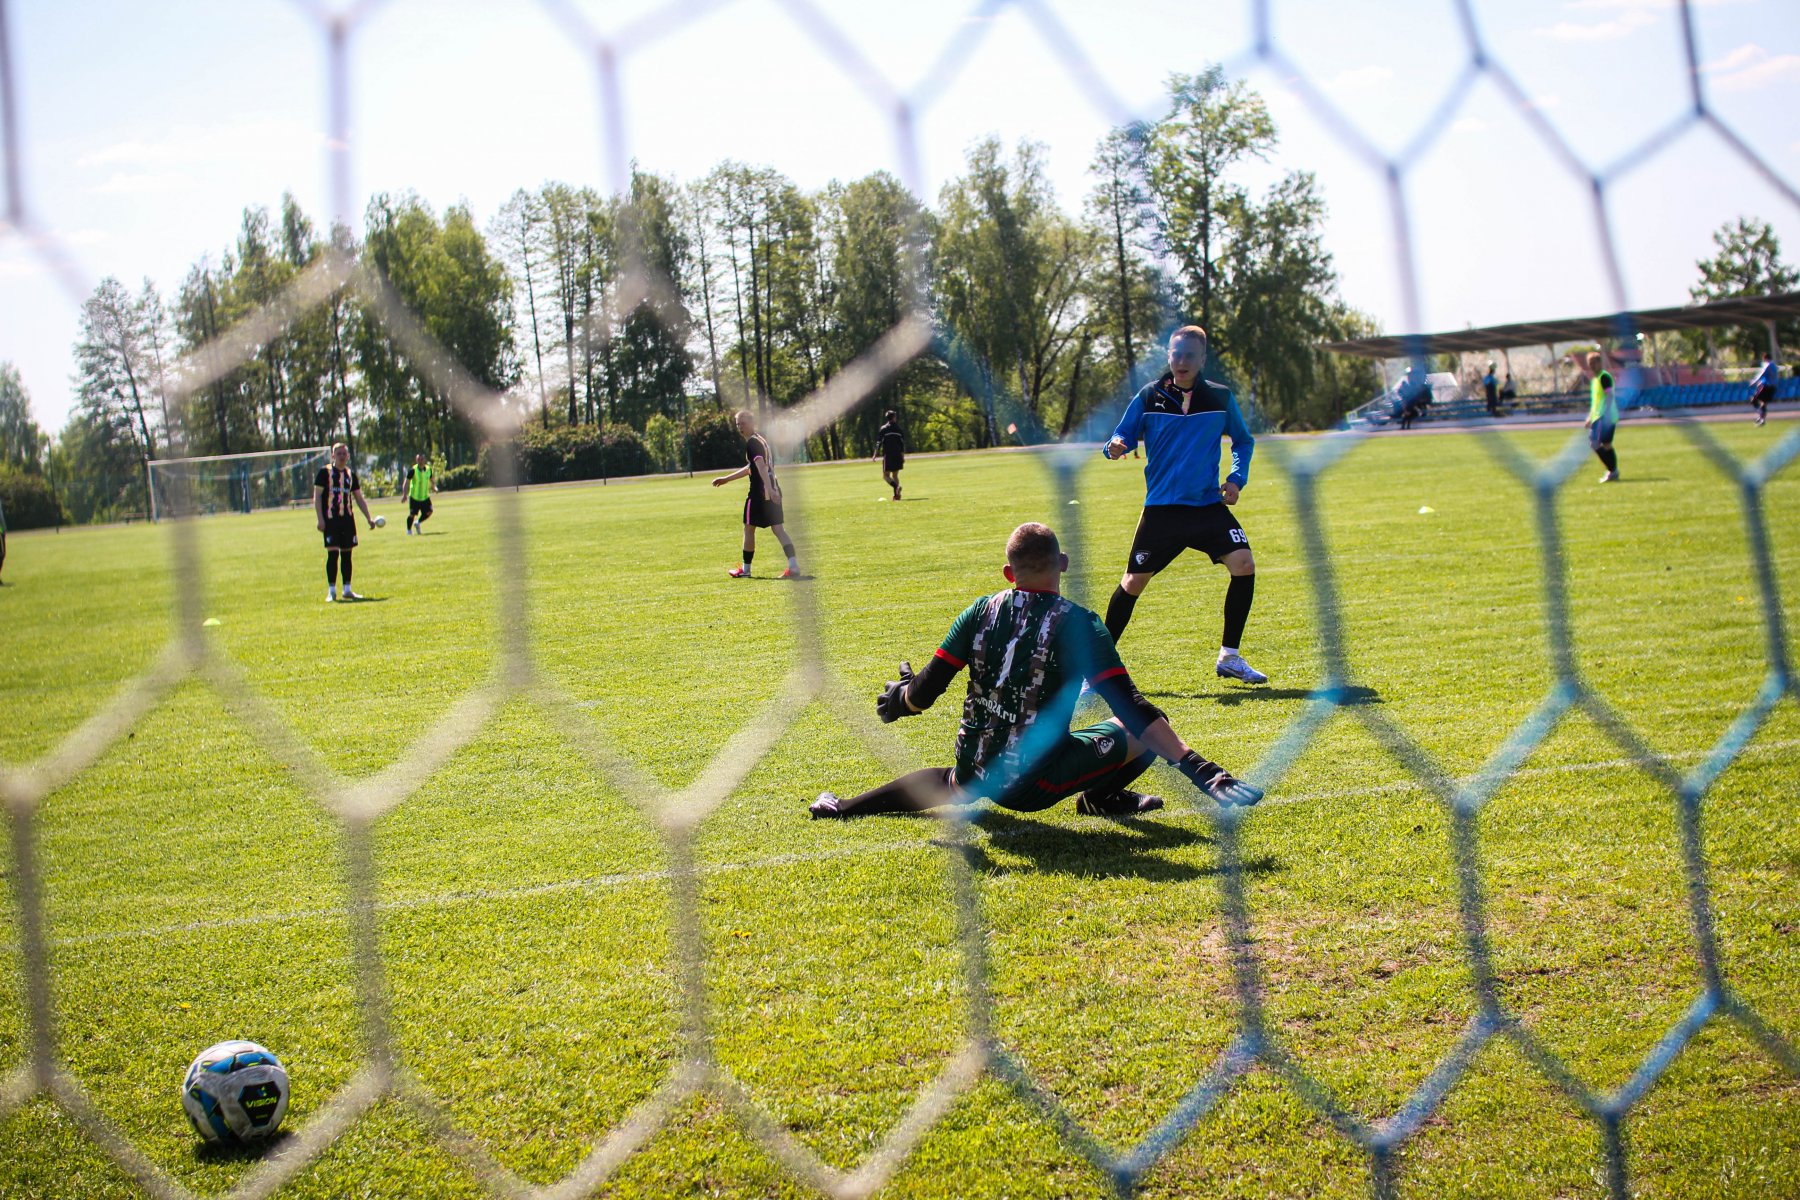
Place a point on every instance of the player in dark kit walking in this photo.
(890, 445)
(1180, 419)
(1026, 649)
(335, 489)
(763, 507)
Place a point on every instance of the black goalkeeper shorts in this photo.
(1165, 530)
(1091, 758)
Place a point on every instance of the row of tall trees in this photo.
(331, 372)
(743, 289)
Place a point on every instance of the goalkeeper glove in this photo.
(1217, 782)
(891, 705)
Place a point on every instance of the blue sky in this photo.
(148, 127)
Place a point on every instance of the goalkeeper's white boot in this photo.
(330, 595)
(350, 595)
(1233, 666)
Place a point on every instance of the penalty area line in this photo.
(472, 896)
(628, 878)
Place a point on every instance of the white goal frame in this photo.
(151, 464)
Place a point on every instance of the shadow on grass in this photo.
(223, 1152)
(1351, 695)
(1121, 849)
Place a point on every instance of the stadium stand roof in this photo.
(1740, 310)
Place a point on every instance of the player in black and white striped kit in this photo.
(335, 488)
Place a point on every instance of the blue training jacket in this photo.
(1181, 450)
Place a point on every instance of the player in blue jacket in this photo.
(1180, 419)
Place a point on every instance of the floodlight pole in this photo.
(1774, 344)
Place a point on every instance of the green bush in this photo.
(573, 452)
(662, 438)
(28, 501)
(714, 440)
(458, 478)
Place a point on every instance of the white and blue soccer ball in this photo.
(235, 1092)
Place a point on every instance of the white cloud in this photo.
(1360, 77)
(1750, 66)
(1631, 16)
(1653, 6)
(191, 144)
(1627, 23)
(143, 183)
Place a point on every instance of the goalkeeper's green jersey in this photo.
(1027, 653)
(421, 483)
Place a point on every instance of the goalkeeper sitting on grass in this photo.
(1028, 650)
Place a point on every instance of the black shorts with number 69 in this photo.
(1165, 530)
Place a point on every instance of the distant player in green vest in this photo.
(1028, 650)
(1603, 417)
(418, 495)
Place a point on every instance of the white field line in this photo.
(1609, 764)
(623, 879)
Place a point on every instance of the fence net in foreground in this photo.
(356, 804)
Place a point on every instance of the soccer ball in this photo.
(235, 1092)
(380, 521)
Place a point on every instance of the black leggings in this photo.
(934, 787)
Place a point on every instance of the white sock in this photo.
(1227, 651)
(792, 565)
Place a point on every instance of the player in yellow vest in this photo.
(418, 495)
(1603, 417)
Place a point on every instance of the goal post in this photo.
(215, 483)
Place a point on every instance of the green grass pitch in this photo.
(194, 893)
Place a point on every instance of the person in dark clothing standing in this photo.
(890, 448)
